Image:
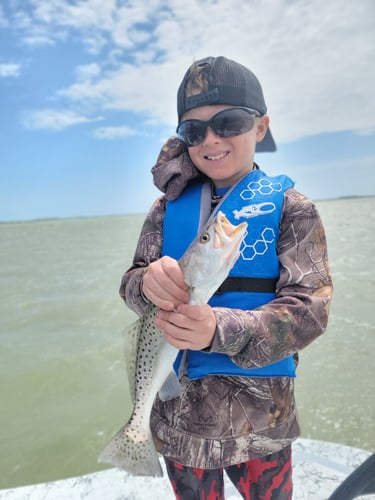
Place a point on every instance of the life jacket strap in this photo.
(244, 284)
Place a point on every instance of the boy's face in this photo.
(225, 160)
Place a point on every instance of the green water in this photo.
(63, 390)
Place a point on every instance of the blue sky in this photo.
(88, 95)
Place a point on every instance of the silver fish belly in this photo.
(205, 264)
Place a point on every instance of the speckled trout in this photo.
(205, 265)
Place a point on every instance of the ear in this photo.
(262, 126)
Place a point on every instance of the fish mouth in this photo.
(225, 231)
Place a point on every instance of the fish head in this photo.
(209, 259)
(227, 238)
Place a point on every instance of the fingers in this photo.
(164, 285)
(190, 327)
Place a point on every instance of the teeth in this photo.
(216, 157)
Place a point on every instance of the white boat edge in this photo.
(319, 467)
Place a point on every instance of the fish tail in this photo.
(132, 452)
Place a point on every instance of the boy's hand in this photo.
(164, 285)
(189, 327)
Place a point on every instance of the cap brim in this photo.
(267, 145)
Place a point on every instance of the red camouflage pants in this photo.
(265, 478)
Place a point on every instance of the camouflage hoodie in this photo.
(223, 420)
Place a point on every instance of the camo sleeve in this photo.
(148, 250)
(299, 313)
(171, 174)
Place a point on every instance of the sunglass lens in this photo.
(232, 122)
(192, 132)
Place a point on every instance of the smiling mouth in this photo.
(216, 157)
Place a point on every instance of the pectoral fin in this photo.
(171, 388)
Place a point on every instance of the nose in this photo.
(210, 136)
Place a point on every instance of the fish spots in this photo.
(205, 265)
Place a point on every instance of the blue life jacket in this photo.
(258, 199)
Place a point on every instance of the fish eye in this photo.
(204, 238)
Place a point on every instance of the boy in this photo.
(239, 352)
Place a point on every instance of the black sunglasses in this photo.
(227, 123)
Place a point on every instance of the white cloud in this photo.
(314, 58)
(53, 119)
(87, 71)
(144, 89)
(10, 70)
(86, 20)
(114, 132)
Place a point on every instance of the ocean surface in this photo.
(63, 388)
